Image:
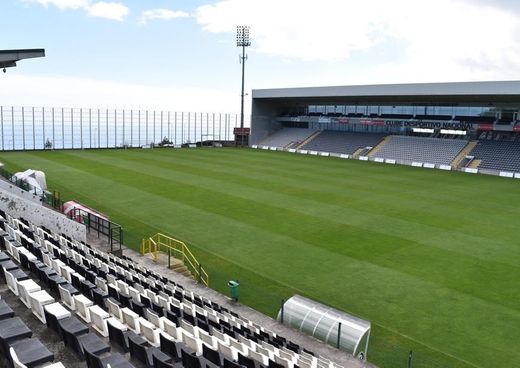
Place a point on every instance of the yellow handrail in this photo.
(180, 250)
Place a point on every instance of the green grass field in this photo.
(431, 258)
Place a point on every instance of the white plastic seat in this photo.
(150, 294)
(57, 264)
(188, 328)
(83, 304)
(149, 331)
(226, 350)
(220, 336)
(304, 363)
(172, 330)
(290, 356)
(122, 286)
(66, 298)
(111, 280)
(47, 260)
(259, 357)
(99, 319)
(163, 302)
(241, 348)
(264, 351)
(57, 310)
(134, 294)
(25, 288)
(101, 284)
(18, 364)
(11, 282)
(154, 318)
(283, 361)
(114, 310)
(9, 245)
(39, 299)
(131, 319)
(193, 343)
(16, 252)
(208, 339)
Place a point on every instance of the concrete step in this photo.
(474, 164)
(378, 147)
(309, 138)
(465, 151)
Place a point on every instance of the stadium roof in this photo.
(490, 91)
(8, 58)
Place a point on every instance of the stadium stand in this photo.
(287, 136)
(418, 149)
(498, 155)
(342, 142)
(150, 320)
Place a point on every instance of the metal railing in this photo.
(178, 249)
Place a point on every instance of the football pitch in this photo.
(431, 258)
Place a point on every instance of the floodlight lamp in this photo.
(243, 36)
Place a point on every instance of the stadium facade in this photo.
(469, 126)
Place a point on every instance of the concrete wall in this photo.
(39, 215)
(263, 121)
(11, 188)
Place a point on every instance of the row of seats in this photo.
(419, 149)
(17, 343)
(498, 155)
(112, 292)
(74, 334)
(287, 136)
(342, 142)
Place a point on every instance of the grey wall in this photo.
(39, 215)
(263, 121)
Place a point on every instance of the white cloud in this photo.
(450, 39)
(109, 10)
(26, 90)
(62, 4)
(164, 14)
(112, 10)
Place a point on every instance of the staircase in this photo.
(176, 255)
(358, 153)
(465, 151)
(380, 145)
(308, 139)
(474, 164)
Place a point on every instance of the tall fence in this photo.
(29, 128)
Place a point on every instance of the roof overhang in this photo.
(494, 91)
(9, 58)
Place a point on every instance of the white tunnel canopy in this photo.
(323, 323)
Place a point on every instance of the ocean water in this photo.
(28, 128)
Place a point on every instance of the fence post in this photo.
(169, 257)
(200, 273)
(339, 335)
(410, 357)
(282, 302)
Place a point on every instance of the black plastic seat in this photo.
(273, 364)
(144, 353)
(189, 360)
(89, 341)
(245, 361)
(114, 360)
(229, 364)
(169, 347)
(212, 355)
(118, 337)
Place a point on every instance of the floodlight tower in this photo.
(243, 41)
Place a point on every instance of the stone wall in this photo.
(17, 206)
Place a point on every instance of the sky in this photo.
(181, 55)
